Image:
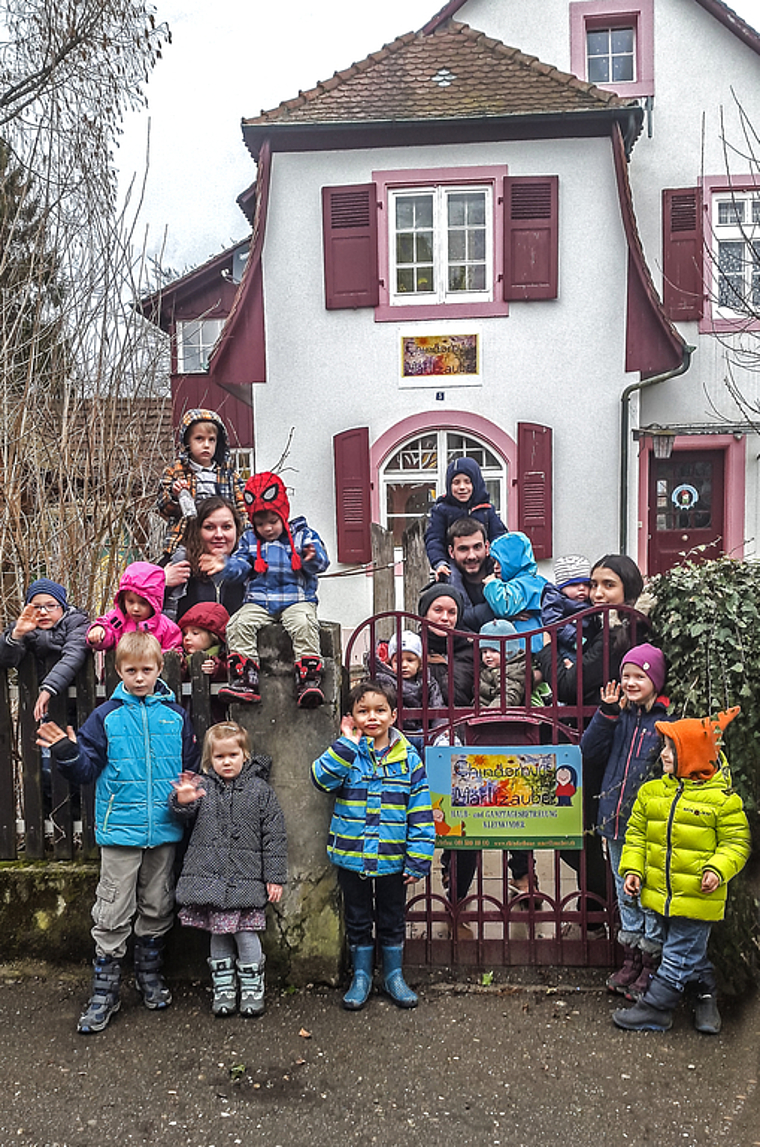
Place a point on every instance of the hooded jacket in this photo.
(238, 845)
(66, 641)
(556, 607)
(517, 593)
(229, 484)
(623, 750)
(412, 696)
(446, 510)
(678, 828)
(148, 581)
(383, 819)
(133, 748)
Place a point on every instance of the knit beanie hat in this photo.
(440, 589)
(697, 741)
(45, 585)
(410, 643)
(571, 570)
(499, 628)
(208, 615)
(651, 660)
(266, 491)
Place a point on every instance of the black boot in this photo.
(104, 1000)
(706, 1015)
(149, 960)
(243, 681)
(653, 1012)
(308, 682)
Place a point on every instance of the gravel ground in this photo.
(534, 1061)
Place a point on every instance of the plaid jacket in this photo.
(281, 585)
(229, 485)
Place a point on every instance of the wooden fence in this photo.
(28, 829)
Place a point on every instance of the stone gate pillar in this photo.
(304, 938)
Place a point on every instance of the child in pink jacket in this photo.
(137, 606)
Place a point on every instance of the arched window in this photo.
(415, 475)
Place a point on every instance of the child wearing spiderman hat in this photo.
(279, 560)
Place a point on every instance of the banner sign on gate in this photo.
(516, 797)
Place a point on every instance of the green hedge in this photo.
(707, 621)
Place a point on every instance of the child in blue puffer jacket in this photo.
(466, 497)
(622, 741)
(514, 589)
(133, 747)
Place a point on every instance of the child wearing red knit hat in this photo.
(687, 837)
(279, 560)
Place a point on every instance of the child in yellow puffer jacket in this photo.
(687, 837)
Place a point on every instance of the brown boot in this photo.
(650, 962)
(621, 980)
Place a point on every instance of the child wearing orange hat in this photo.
(687, 837)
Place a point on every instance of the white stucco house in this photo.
(529, 233)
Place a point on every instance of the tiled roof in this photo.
(455, 73)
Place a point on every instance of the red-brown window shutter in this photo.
(349, 227)
(531, 237)
(352, 495)
(682, 287)
(534, 486)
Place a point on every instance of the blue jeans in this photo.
(684, 953)
(637, 924)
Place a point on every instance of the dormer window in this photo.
(611, 55)
(612, 45)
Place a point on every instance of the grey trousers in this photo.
(300, 621)
(132, 881)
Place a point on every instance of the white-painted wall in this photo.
(556, 362)
(702, 74)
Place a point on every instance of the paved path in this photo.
(521, 1064)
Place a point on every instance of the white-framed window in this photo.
(415, 475)
(611, 54)
(196, 339)
(441, 245)
(736, 252)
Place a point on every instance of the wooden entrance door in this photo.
(685, 507)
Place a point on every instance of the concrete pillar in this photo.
(304, 937)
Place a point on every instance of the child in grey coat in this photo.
(236, 861)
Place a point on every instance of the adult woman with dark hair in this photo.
(214, 533)
(444, 605)
(615, 580)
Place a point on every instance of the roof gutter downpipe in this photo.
(683, 366)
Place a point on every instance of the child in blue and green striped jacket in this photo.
(381, 835)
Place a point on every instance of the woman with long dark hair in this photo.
(615, 580)
(214, 533)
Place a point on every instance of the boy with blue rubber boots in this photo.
(133, 746)
(381, 834)
(687, 837)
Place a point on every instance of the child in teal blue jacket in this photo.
(132, 747)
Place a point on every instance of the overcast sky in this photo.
(230, 59)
